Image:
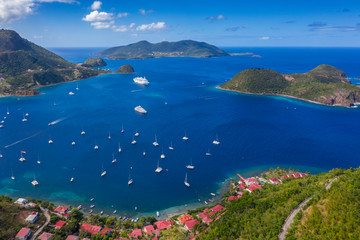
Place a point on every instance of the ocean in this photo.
(255, 132)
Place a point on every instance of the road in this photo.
(47, 215)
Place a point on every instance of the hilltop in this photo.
(126, 69)
(94, 62)
(324, 84)
(145, 49)
(25, 66)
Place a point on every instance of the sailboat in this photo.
(71, 93)
(119, 148)
(162, 156)
(216, 141)
(171, 146)
(157, 214)
(103, 173)
(96, 147)
(208, 153)
(77, 87)
(133, 141)
(38, 161)
(190, 166)
(34, 182)
(130, 181)
(82, 132)
(24, 118)
(50, 141)
(158, 169)
(21, 159)
(73, 143)
(144, 153)
(71, 179)
(136, 134)
(185, 182)
(122, 128)
(109, 137)
(113, 159)
(155, 143)
(12, 175)
(7, 111)
(185, 138)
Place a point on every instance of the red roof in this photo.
(136, 233)
(61, 209)
(190, 224)
(185, 218)
(105, 231)
(59, 224)
(202, 215)
(284, 177)
(92, 229)
(253, 187)
(23, 232)
(274, 179)
(296, 175)
(45, 236)
(207, 220)
(290, 175)
(163, 224)
(251, 180)
(217, 208)
(206, 210)
(242, 185)
(303, 174)
(72, 237)
(232, 198)
(149, 229)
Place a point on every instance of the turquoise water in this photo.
(256, 132)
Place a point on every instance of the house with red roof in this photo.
(274, 180)
(45, 236)
(290, 175)
(23, 234)
(234, 198)
(184, 218)
(217, 208)
(72, 237)
(136, 233)
(106, 231)
(92, 229)
(250, 181)
(189, 225)
(202, 215)
(242, 185)
(303, 175)
(59, 224)
(284, 177)
(149, 229)
(253, 187)
(163, 224)
(296, 175)
(207, 220)
(61, 209)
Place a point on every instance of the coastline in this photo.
(283, 95)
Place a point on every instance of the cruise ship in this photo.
(141, 80)
(139, 109)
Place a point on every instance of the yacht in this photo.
(185, 182)
(185, 138)
(216, 141)
(92, 206)
(103, 173)
(144, 153)
(34, 182)
(92, 199)
(77, 87)
(26, 114)
(141, 80)
(71, 93)
(12, 175)
(113, 159)
(171, 147)
(162, 156)
(38, 162)
(157, 214)
(1, 126)
(109, 137)
(155, 143)
(51, 141)
(73, 143)
(158, 169)
(7, 111)
(136, 134)
(71, 179)
(190, 166)
(141, 110)
(82, 132)
(213, 194)
(21, 159)
(208, 153)
(119, 148)
(2, 121)
(114, 211)
(133, 141)
(102, 212)
(24, 119)
(122, 128)
(96, 147)
(130, 181)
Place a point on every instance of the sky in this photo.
(107, 23)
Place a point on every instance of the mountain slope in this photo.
(324, 84)
(144, 49)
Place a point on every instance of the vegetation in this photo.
(25, 65)
(144, 49)
(94, 62)
(324, 84)
(125, 69)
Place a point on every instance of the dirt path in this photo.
(289, 220)
(47, 215)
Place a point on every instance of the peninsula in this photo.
(324, 84)
(25, 66)
(145, 49)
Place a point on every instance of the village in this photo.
(62, 222)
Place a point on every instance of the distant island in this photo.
(25, 66)
(324, 84)
(126, 69)
(94, 62)
(145, 50)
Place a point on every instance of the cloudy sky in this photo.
(83, 23)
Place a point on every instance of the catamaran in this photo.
(140, 109)
(185, 138)
(34, 182)
(141, 80)
(119, 148)
(185, 182)
(82, 132)
(21, 159)
(190, 166)
(113, 159)
(158, 169)
(51, 141)
(103, 173)
(96, 147)
(171, 146)
(208, 153)
(216, 141)
(73, 143)
(155, 143)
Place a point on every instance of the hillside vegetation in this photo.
(324, 84)
(94, 62)
(144, 49)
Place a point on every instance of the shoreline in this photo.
(286, 96)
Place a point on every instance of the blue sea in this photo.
(256, 132)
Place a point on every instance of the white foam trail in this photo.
(57, 121)
(12, 144)
(138, 90)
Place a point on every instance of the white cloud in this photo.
(264, 38)
(218, 17)
(37, 36)
(96, 16)
(122, 28)
(151, 26)
(144, 12)
(102, 25)
(96, 5)
(11, 10)
(124, 14)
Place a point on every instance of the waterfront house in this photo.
(251, 188)
(61, 209)
(274, 180)
(303, 175)
(296, 175)
(217, 208)
(45, 236)
(184, 218)
(234, 197)
(284, 177)
(59, 224)
(21, 201)
(204, 217)
(242, 185)
(250, 181)
(72, 237)
(92, 229)
(163, 224)
(32, 217)
(23, 234)
(136, 233)
(189, 225)
(149, 229)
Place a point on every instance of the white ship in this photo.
(71, 93)
(185, 138)
(141, 80)
(96, 147)
(156, 142)
(190, 166)
(21, 159)
(34, 182)
(71, 179)
(73, 143)
(158, 169)
(185, 182)
(216, 141)
(51, 141)
(141, 110)
(119, 148)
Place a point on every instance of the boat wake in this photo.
(57, 121)
(137, 90)
(24, 139)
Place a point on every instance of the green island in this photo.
(253, 208)
(324, 84)
(25, 66)
(125, 69)
(94, 62)
(145, 49)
